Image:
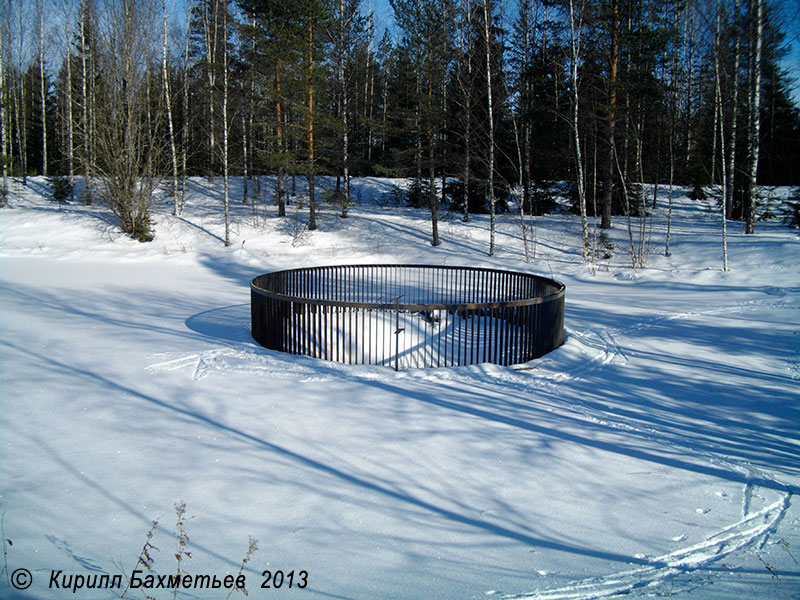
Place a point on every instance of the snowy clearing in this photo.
(656, 453)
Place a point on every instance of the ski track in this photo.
(751, 530)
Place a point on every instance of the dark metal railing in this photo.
(408, 316)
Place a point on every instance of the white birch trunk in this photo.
(343, 58)
(466, 89)
(225, 183)
(245, 174)
(185, 132)
(492, 200)
(719, 117)
(3, 130)
(42, 87)
(22, 128)
(70, 128)
(168, 100)
(87, 197)
(210, 31)
(755, 109)
(575, 44)
(731, 161)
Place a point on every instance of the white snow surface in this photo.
(656, 453)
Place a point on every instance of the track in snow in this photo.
(751, 530)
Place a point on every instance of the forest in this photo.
(482, 104)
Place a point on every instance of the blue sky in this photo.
(789, 11)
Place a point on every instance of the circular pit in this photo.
(408, 316)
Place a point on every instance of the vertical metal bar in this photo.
(397, 336)
(442, 343)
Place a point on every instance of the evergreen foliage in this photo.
(316, 87)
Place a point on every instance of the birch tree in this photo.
(70, 126)
(128, 158)
(209, 12)
(756, 39)
(349, 27)
(720, 119)
(575, 45)
(487, 28)
(185, 125)
(311, 16)
(20, 99)
(4, 141)
(168, 104)
(86, 22)
(608, 199)
(225, 182)
(465, 81)
(42, 90)
(730, 161)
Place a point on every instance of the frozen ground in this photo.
(656, 453)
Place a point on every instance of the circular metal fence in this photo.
(408, 316)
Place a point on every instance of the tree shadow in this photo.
(229, 323)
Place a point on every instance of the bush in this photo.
(542, 200)
(61, 187)
(477, 193)
(791, 210)
(698, 193)
(418, 195)
(337, 197)
(618, 205)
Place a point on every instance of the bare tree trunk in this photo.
(312, 209)
(245, 175)
(225, 182)
(70, 128)
(487, 26)
(19, 120)
(346, 155)
(755, 111)
(432, 199)
(612, 115)
(247, 119)
(385, 112)
(87, 179)
(673, 106)
(185, 129)
(714, 138)
(731, 161)
(671, 181)
(3, 130)
(250, 129)
(168, 101)
(689, 40)
(43, 93)
(575, 42)
(369, 86)
(343, 58)
(645, 231)
(521, 199)
(280, 141)
(210, 26)
(721, 119)
(466, 90)
(633, 253)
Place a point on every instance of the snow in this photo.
(656, 453)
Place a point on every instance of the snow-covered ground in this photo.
(656, 453)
